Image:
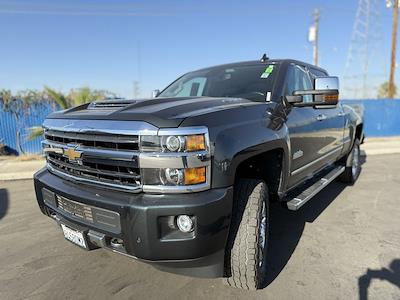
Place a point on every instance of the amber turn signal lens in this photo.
(195, 143)
(195, 175)
(331, 98)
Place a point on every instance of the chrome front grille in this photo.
(101, 172)
(112, 142)
(107, 153)
(108, 159)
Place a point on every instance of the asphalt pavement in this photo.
(343, 244)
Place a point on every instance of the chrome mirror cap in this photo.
(326, 83)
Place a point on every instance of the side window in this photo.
(317, 73)
(297, 79)
(290, 81)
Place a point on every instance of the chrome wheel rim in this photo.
(356, 161)
(262, 229)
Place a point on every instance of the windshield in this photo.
(251, 82)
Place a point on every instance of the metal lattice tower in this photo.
(366, 43)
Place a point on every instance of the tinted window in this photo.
(248, 81)
(192, 87)
(297, 79)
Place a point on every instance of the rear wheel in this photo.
(248, 241)
(353, 168)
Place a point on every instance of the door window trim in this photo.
(307, 72)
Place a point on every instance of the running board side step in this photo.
(301, 199)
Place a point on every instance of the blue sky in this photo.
(110, 44)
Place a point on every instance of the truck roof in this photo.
(269, 61)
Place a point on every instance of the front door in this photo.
(309, 129)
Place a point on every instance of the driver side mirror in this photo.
(325, 93)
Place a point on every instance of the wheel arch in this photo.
(359, 134)
(270, 165)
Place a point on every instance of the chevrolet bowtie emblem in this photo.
(72, 154)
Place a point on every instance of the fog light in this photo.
(185, 223)
(117, 243)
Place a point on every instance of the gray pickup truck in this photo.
(184, 181)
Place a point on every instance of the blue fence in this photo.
(382, 118)
(33, 116)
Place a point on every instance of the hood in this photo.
(160, 112)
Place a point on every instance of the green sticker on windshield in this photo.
(267, 71)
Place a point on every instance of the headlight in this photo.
(175, 177)
(188, 143)
(173, 143)
(176, 160)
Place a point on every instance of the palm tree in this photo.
(57, 97)
(74, 98)
(60, 100)
(383, 91)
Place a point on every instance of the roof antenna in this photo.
(264, 58)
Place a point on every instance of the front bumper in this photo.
(144, 220)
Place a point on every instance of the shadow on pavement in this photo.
(391, 275)
(287, 227)
(3, 202)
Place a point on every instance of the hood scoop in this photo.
(111, 104)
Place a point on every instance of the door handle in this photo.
(321, 117)
(341, 114)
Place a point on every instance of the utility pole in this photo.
(313, 35)
(391, 90)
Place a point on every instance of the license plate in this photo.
(74, 236)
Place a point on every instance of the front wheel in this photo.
(353, 167)
(248, 241)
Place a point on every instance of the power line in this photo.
(365, 40)
(136, 89)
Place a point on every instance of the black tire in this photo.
(246, 263)
(353, 166)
